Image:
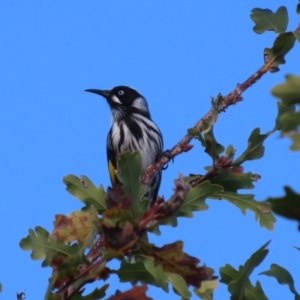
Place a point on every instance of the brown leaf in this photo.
(136, 293)
(174, 260)
(115, 198)
(76, 226)
(119, 237)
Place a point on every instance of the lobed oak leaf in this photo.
(238, 281)
(84, 189)
(77, 226)
(129, 173)
(173, 260)
(282, 45)
(262, 210)
(265, 19)
(283, 276)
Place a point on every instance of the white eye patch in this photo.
(115, 99)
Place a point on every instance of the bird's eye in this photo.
(121, 92)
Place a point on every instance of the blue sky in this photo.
(177, 54)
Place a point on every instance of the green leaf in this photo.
(194, 201)
(290, 122)
(129, 173)
(173, 260)
(289, 91)
(283, 277)
(179, 285)
(144, 271)
(207, 125)
(262, 210)
(282, 45)
(238, 281)
(37, 242)
(232, 180)
(255, 149)
(230, 152)
(94, 295)
(45, 247)
(158, 274)
(282, 111)
(208, 141)
(84, 189)
(254, 292)
(206, 290)
(296, 142)
(228, 274)
(287, 206)
(265, 19)
(288, 119)
(196, 134)
(245, 271)
(213, 148)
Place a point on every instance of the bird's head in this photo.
(124, 100)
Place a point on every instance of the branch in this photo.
(222, 163)
(68, 290)
(183, 145)
(95, 252)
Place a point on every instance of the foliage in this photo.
(283, 277)
(238, 281)
(287, 206)
(113, 223)
(288, 118)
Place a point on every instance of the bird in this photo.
(132, 130)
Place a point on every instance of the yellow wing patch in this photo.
(112, 173)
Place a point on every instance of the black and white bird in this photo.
(132, 130)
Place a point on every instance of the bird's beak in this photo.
(103, 93)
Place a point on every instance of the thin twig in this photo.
(183, 145)
(95, 252)
(222, 163)
(64, 291)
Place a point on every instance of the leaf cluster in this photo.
(113, 224)
(110, 226)
(266, 20)
(288, 118)
(239, 284)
